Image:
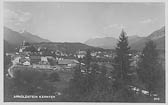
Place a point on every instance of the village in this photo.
(27, 58)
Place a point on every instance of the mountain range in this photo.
(135, 42)
(157, 36)
(16, 38)
(12, 39)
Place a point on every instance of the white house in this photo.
(44, 59)
(81, 54)
(20, 50)
(26, 63)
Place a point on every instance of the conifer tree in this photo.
(88, 59)
(122, 59)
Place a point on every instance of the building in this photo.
(35, 59)
(68, 62)
(81, 54)
(23, 46)
(26, 63)
(25, 60)
(44, 59)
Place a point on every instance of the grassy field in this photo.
(59, 86)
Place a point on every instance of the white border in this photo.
(71, 103)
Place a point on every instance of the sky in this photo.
(80, 21)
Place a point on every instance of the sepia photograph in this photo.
(94, 52)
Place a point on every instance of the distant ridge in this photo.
(135, 42)
(157, 36)
(13, 37)
(110, 42)
(70, 47)
(106, 42)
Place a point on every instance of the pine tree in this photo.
(88, 59)
(122, 59)
(150, 71)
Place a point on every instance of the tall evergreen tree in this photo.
(122, 59)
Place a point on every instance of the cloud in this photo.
(147, 21)
(16, 17)
(115, 26)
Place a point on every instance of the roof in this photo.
(35, 57)
(82, 53)
(67, 61)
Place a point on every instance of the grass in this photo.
(65, 76)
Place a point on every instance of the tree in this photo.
(88, 59)
(150, 71)
(26, 44)
(30, 48)
(122, 59)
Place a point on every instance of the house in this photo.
(44, 59)
(68, 62)
(25, 60)
(20, 50)
(35, 59)
(81, 54)
(26, 63)
(93, 54)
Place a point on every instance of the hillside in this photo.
(134, 38)
(9, 47)
(33, 38)
(110, 42)
(12, 37)
(157, 36)
(16, 38)
(65, 47)
(136, 42)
